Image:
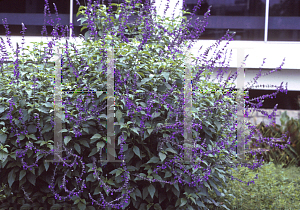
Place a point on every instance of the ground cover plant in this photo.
(150, 67)
(276, 188)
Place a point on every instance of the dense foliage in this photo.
(149, 95)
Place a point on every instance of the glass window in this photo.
(31, 13)
(245, 17)
(284, 21)
(288, 101)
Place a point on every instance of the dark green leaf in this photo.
(56, 207)
(47, 127)
(100, 144)
(168, 174)
(145, 192)
(153, 160)
(90, 178)
(3, 138)
(32, 136)
(95, 137)
(81, 206)
(26, 206)
(3, 156)
(166, 75)
(94, 151)
(118, 115)
(11, 177)
(136, 150)
(138, 192)
(67, 139)
(31, 178)
(84, 143)
(32, 128)
(22, 174)
(77, 148)
(151, 190)
(183, 201)
(135, 130)
(171, 150)
(162, 156)
(199, 203)
(155, 114)
(46, 164)
(149, 206)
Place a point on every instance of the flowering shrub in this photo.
(149, 96)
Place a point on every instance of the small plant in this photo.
(274, 188)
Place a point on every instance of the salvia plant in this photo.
(149, 99)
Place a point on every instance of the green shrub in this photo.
(275, 188)
(153, 69)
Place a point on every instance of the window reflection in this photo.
(284, 21)
(229, 7)
(31, 13)
(285, 8)
(245, 17)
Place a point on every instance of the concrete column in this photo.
(188, 136)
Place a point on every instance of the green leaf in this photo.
(84, 143)
(94, 151)
(46, 164)
(162, 156)
(149, 206)
(26, 206)
(67, 139)
(77, 148)
(118, 115)
(95, 137)
(31, 178)
(199, 203)
(3, 138)
(157, 207)
(100, 144)
(63, 131)
(183, 202)
(11, 177)
(32, 128)
(151, 190)
(168, 174)
(22, 174)
(81, 206)
(135, 130)
(150, 130)
(177, 202)
(32, 136)
(218, 124)
(138, 193)
(155, 114)
(166, 75)
(47, 127)
(145, 193)
(90, 178)
(3, 156)
(77, 201)
(171, 150)
(136, 150)
(153, 160)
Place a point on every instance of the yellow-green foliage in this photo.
(275, 188)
